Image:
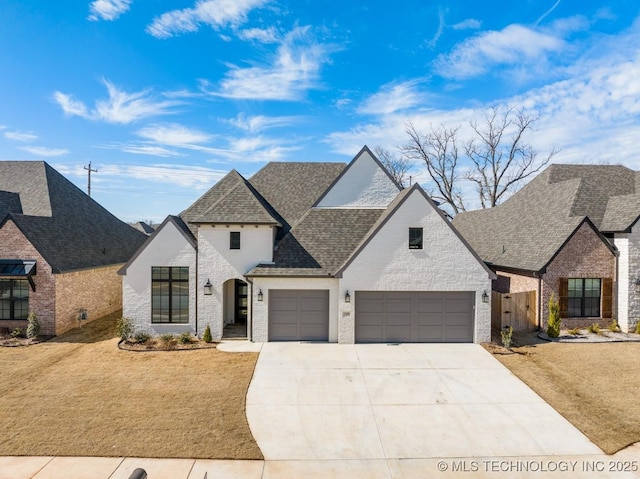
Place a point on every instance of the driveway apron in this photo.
(324, 402)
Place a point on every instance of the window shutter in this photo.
(563, 299)
(607, 298)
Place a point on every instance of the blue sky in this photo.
(164, 98)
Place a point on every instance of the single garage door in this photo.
(298, 315)
(416, 317)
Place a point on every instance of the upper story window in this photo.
(234, 240)
(415, 238)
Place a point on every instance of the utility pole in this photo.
(89, 170)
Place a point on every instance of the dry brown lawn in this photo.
(79, 395)
(594, 386)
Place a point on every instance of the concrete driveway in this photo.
(360, 406)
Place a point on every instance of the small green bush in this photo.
(574, 331)
(638, 327)
(124, 328)
(16, 333)
(553, 328)
(168, 340)
(506, 334)
(185, 338)
(141, 337)
(594, 328)
(206, 337)
(33, 326)
(613, 326)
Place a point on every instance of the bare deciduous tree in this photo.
(397, 166)
(499, 156)
(439, 150)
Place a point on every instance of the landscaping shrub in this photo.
(594, 328)
(613, 326)
(142, 337)
(124, 328)
(638, 327)
(185, 338)
(506, 334)
(16, 333)
(33, 326)
(206, 337)
(553, 328)
(574, 331)
(167, 340)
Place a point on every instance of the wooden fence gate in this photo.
(517, 310)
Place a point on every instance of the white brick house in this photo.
(311, 251)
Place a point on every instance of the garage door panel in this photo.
(298, 315)
(420, 316)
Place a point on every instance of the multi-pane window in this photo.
(169, 294)
(415, 238)
(234, 240)
(584, 297)
(14, 299)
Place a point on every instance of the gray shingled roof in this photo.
(527, 230)
(292, 188)
(320, 243)
(69, 229)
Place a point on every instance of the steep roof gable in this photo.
(364, 183)
(393, 208)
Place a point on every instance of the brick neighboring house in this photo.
(59, 250)
(545, 238)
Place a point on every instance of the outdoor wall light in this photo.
(637, 285)
(485, 296)
(260, 295)
(347, 297)
(208, 288)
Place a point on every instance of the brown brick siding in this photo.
(14, 245)
(58, 297)
(584, 256)
(514, 283)
(98, 290)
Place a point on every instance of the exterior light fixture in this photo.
(485, 296)
(260, 295)
(637, 285)
(347, 297)
(208, 288)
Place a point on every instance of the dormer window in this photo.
(415, 238)
(234, 240)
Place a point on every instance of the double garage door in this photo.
(417, 317)
(380, 316)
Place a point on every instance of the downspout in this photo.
(197, 289)
(250, 316)
(539, 312)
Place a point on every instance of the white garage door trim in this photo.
(414, 316)
(298, 315)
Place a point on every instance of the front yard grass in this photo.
(593, 385)
(79, 395)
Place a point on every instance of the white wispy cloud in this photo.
(44, 151)
(173, 134)
(261, 35)
(392, 98)
(295, 69)
(142, 149)
(258, 123)
(120, 107)
(215, 13)
(468, 24)
(436, 36)
(548, 12)
(591, 115)
(108, 9)
(20, 136)
(515, 44)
